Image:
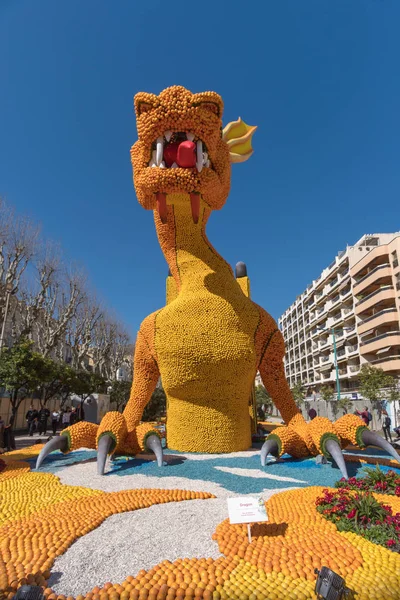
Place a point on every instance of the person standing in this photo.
(365, 415)
(74, 416)
(43, 416)
(55, 417)
(386, 423)
(312, 413)
(66, 418)
(31, 419)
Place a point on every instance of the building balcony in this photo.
(374, 276)
(376, 256)
(351, 349)
(388, 339)
(383, 317)
(388, 363)
(383, 294)
(353, 369)
(347, 312)
(335, 301)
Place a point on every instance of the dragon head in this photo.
(182, 147)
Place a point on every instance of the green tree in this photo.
(392, 392)
(298, 393)
(156, 407)
(262, 397)
(327, 393)
(86, 383)
(21, 372)
(120, 392)
(344, 404)
(373, 382)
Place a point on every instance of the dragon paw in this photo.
(320, 436)
(113, 437)
(109, 438)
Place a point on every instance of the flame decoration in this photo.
(238, 136)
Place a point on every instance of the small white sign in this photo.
(246, 510)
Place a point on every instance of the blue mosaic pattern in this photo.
(206, 470)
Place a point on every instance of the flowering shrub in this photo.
(374, 481)
(361, 513)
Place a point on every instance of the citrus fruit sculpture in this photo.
(279, 563)
(210, 339)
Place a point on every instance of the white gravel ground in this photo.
(126, 543)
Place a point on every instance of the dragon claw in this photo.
(336, 453)
(103, 448)
(57, 443)
(370, 438)
(269, 447)
(153, 443)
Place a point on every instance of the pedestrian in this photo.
(66, 417)
(55, 417)
(2, 426)
(74, 416)
(43, 416)
(365, 415)
(397, 431)
(386, 423)
(312, 413)
(31, 419)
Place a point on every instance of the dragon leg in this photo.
(119, 433)
(298, 438)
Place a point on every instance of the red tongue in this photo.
(181, 153)
(186, 156)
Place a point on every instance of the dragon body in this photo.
(210, 339)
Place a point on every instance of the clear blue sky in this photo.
(320, 78)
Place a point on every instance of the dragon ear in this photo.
(144, 102)
(238, 136)
(209, 101)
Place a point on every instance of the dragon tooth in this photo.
(159, 150)
(168, 135)
(174, 166)
(190, 136)
(199, 162)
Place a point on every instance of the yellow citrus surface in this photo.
(278, 564)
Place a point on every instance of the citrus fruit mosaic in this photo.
(278, 563)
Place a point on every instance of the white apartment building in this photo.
(355, 302)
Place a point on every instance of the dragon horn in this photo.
(269, 447)
(336, 453)
(57, 443)
(103, 447)
(370, 438)
(153, 443)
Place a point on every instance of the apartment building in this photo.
(353, 307)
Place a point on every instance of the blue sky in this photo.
(320, 78)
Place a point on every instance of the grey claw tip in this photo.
(153, 443)
(57, 443)
(269, 447)
(370, 438)
(103, 448)
(336, 453)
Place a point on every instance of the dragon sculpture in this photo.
(209, 341)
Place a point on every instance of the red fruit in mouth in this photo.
(186, 156)
(170, 153)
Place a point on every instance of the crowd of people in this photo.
(38, 420)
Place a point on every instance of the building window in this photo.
(395, 259)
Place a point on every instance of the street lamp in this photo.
(9, 289)
(333, 332)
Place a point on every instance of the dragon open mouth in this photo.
(176, 150)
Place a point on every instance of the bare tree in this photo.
(110, 350)
(80, 331)
(63, 298)
(18, 243)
